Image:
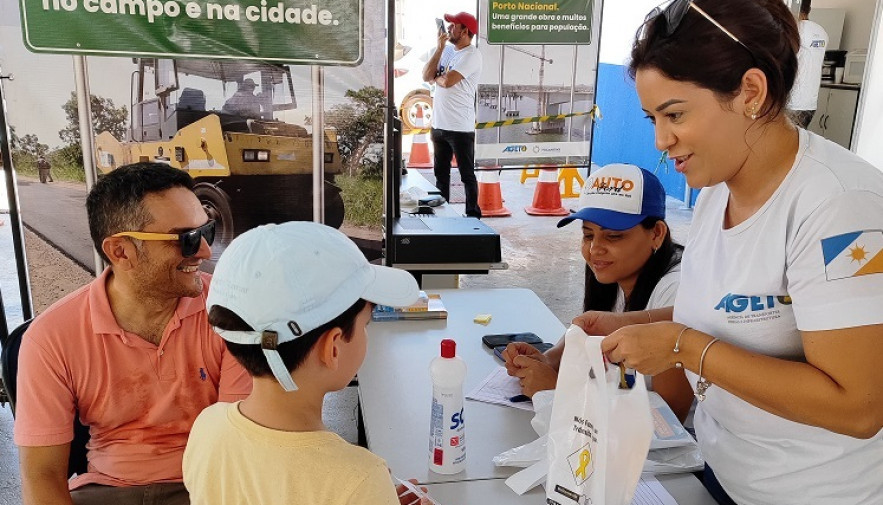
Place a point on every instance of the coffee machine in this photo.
(833, 59)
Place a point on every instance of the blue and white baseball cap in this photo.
(288, 279)
(619, 197)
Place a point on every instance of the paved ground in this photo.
(540, 256)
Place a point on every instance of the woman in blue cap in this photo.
(632, 266)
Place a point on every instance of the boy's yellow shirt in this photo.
(232, 460)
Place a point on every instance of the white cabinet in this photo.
(835, 115)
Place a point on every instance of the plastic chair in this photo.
(77, 462)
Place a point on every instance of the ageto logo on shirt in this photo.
(817, 43)
(742, 309)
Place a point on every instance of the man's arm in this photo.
(430, 70)
(449, 79)
(44, 475)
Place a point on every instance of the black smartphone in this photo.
(441, 26)
(542, 347)
(498, 339)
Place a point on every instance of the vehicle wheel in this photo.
(409, 108)
(216, 203)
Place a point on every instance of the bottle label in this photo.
(448, 430)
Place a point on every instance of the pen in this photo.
(519, 399)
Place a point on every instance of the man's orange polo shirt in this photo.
(138, 399)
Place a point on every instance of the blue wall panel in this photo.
(624, 135)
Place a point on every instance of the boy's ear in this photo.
(328, 348)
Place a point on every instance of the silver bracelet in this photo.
(677, 348)
(702, 385)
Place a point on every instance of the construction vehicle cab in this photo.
(230, 125)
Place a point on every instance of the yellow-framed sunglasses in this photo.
(189, 240)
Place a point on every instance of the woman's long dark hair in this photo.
(701, 53)
(603, 296)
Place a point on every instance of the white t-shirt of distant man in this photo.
(813, 43)
(453, 108)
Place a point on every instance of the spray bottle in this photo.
(447, 437)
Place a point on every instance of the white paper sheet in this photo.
(651, 492)
(497, 388)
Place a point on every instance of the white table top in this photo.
(684, 488)
(396, 395)
(395, 389)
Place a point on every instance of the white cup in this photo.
(838, 75)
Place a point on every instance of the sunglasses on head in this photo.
(190, 240)
(675, 12)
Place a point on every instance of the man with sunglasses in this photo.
(131, 354)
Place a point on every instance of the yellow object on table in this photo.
(483, 319)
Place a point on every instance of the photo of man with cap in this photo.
(244, 102)
(455, 69)
(292, 301)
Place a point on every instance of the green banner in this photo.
(326, 32)
(532, 22)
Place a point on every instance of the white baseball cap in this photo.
(288, 279)
(619, 197)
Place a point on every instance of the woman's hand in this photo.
(516, 349)
(648, 348)
(596, 322)
(534, 374)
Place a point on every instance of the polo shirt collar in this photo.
(103, 320)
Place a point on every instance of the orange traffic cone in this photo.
(546, 198)
(490, 198)
(419, 157)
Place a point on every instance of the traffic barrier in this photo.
(419, 157)
(546, 198)
(490, 197)
(573, 182)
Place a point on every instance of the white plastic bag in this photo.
(599, 434)
(672, 449)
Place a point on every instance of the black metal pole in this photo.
(393, 175)
(18, 238)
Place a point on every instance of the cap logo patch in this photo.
(269, 340)
(612, 185)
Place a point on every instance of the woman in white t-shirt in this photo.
(632, 265)
(779, 313)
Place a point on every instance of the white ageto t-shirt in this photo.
(813, 43)
(663, 294)
(454, 108)
(810, 259)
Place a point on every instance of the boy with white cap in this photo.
(292, 302)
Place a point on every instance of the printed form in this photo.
(497, 388)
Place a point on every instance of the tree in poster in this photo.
(359, 127)
(105, 117)
(29, 145)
